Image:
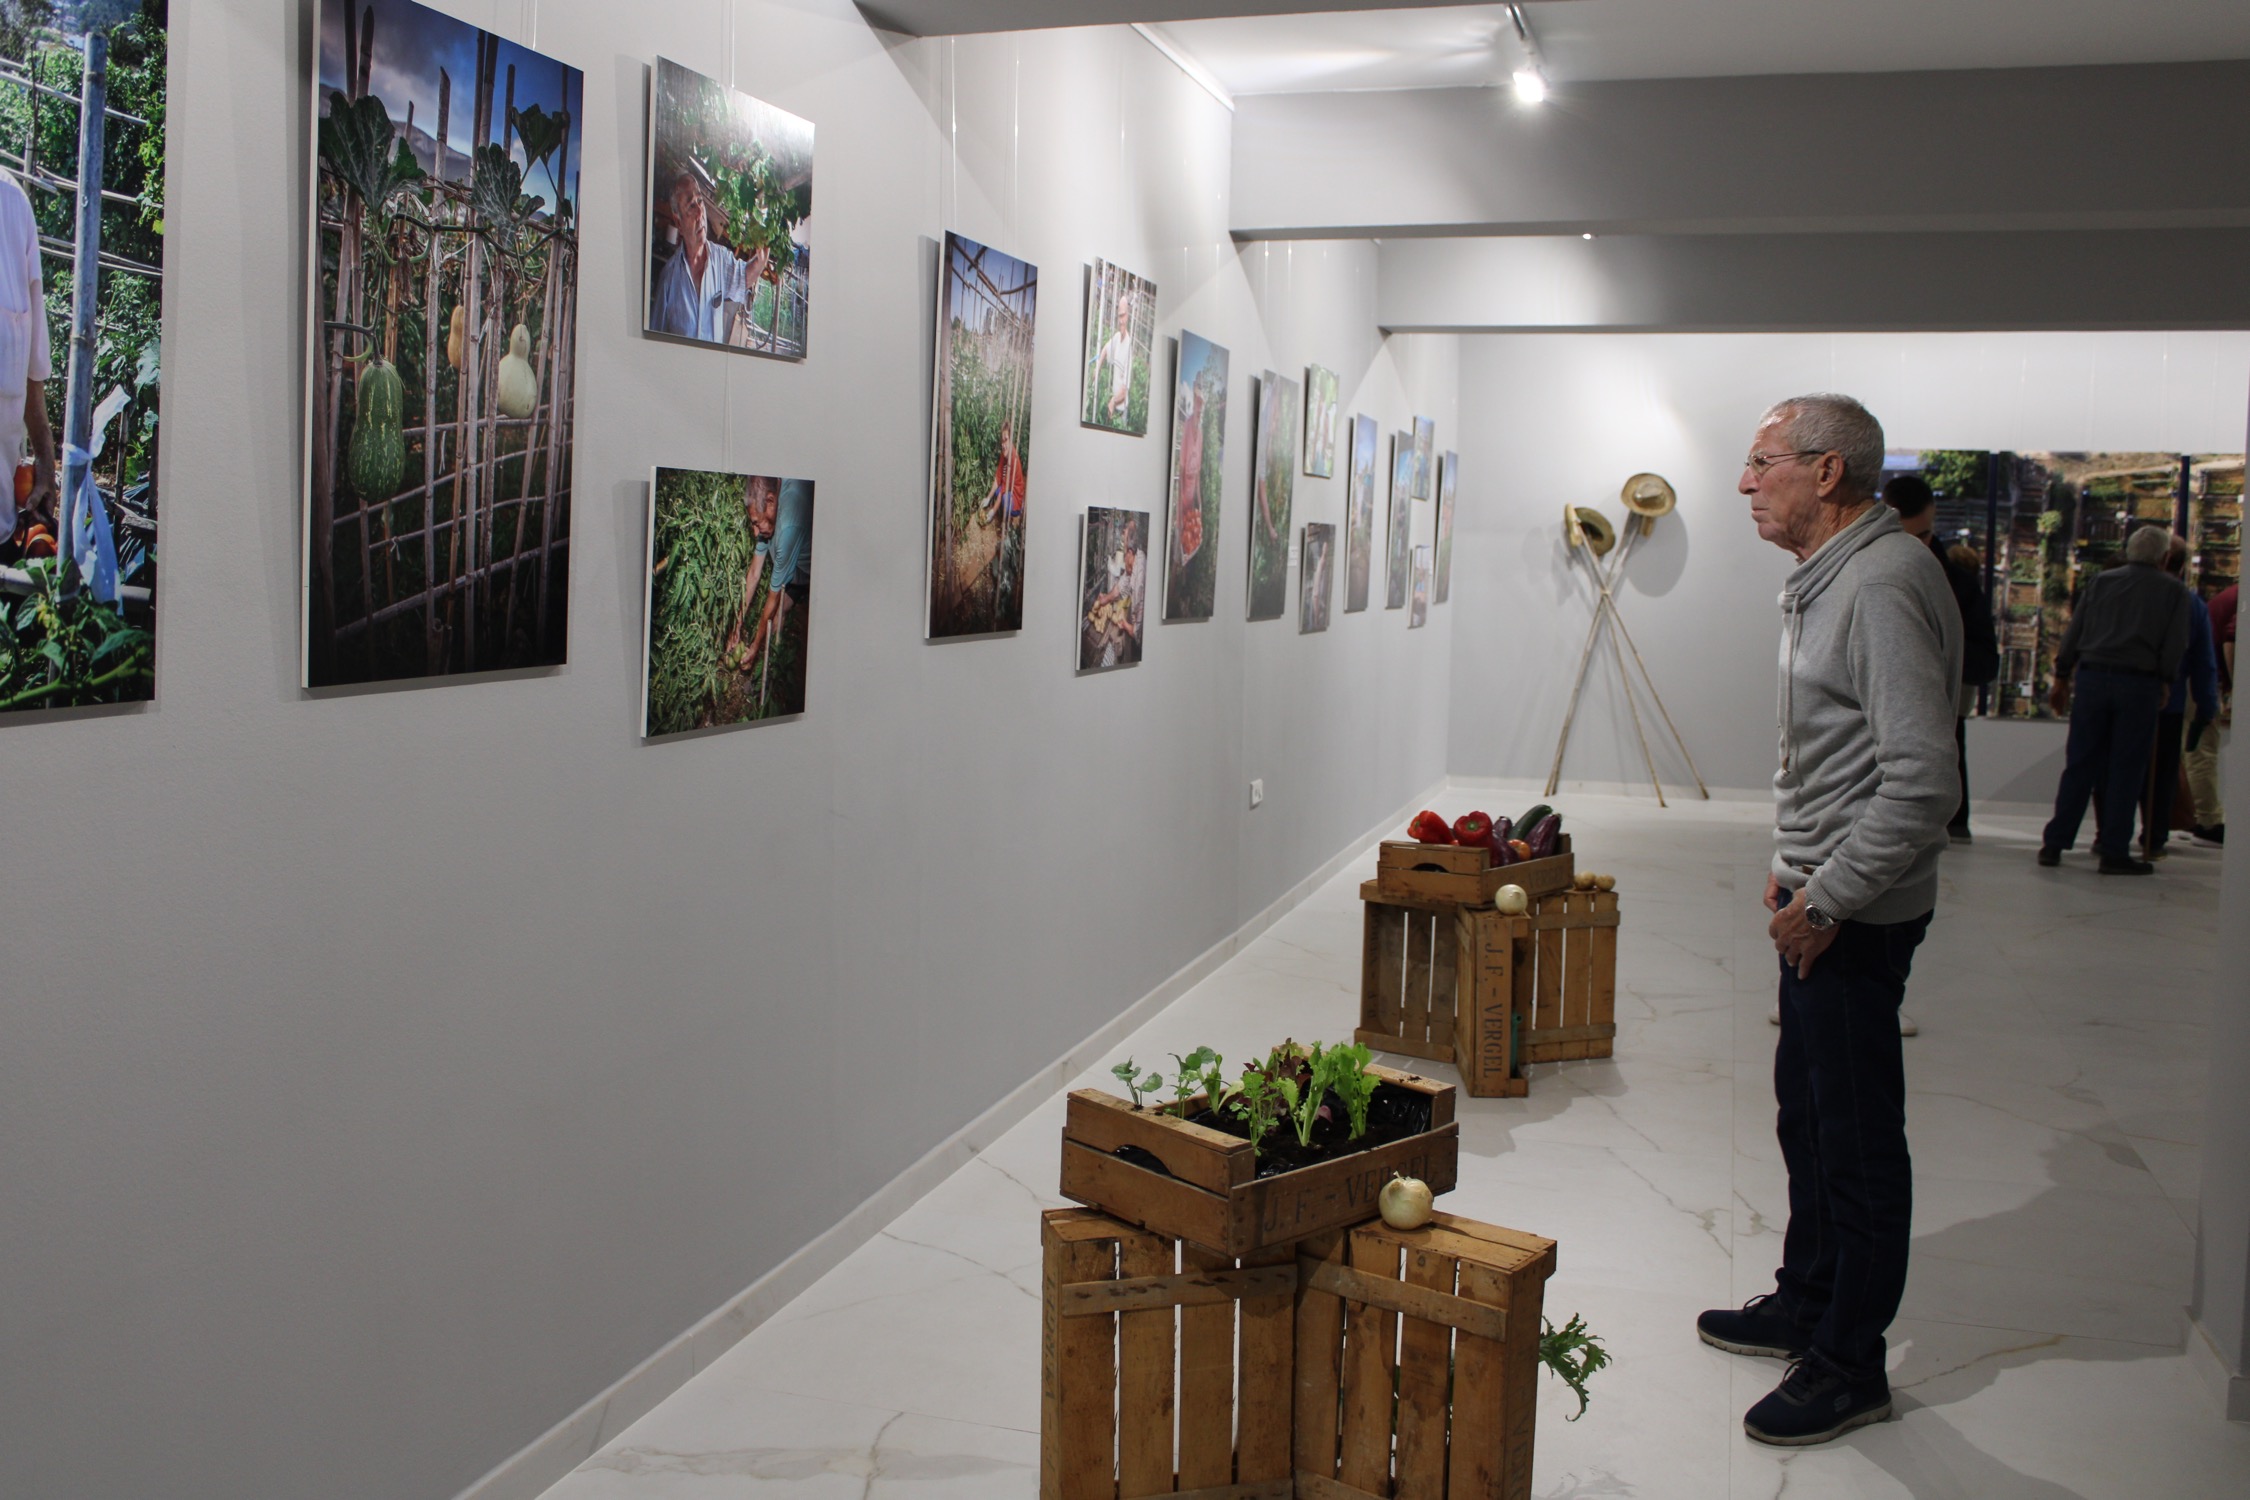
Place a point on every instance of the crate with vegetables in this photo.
(1500, 974)
(1467, 861)
(1302, 1141)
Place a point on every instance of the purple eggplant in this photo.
(1545, 835)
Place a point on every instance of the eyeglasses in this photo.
(1758, 463)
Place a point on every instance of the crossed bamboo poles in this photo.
(1606, 574)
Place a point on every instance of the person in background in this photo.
(2126, 640)
(24, 365)
(2176, 733)
(1911, 497)
(2202, 759)
(1871, 661)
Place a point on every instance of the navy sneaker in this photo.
(1815, 1403)
(1761, 1326)
(2050, 857)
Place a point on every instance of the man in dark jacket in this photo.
(1911, 497)
(2125, 643)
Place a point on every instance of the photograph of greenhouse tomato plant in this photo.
(78, 513)
(980, 439)
(729, 218)
(1272, 485)
(444, 287)
(1199, 446)
(727, 614)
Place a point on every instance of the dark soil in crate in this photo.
(1393, 1114)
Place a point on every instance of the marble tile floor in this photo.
(2056, 1094)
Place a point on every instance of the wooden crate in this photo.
(1464, 877)
(1364, 1364)
(1573, 998)
(1417, 1362)
(1164, 1369)
(1441, 982)
(1205, 1188)
(1488, 993)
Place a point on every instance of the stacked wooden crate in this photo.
(1445, 976)
(1361, 1364)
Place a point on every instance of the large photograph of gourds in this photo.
(82, 151)
(445, 294)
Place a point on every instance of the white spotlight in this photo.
(1530, 87)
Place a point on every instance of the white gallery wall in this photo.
(1555, 419)
(384, 1074)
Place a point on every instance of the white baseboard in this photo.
(2231, 1392)
(570, 1442)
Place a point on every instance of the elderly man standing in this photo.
(1870, 660)
(24, 369)
(2120, 653)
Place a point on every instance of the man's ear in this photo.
(1831, 481)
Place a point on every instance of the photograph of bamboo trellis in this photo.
(444, 315)
(82, 145)
(980, 439)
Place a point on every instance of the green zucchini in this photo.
(1530, 820)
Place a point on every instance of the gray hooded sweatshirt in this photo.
(1870, 653)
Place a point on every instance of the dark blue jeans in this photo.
(2112, 732)
(1841, 1084)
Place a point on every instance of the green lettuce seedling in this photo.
(1258, 1103)
(1129, 1074)
(1352, 1084)
(1199, 1071)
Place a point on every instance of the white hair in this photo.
(2148, 544)
(1825, 422)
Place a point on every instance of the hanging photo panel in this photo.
(730, 198)
(1359, 512)
(1315, 586)
(1425, 456)
(1401, 532)
(1199, 436)
(81, 304)
(444, 289)
(980, 439)
(727, 603)
(1320, 423)
(1419, 615)
(1112, 589)
(1120, 342)
(1272, 486)
(1449, 476)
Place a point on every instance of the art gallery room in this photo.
(1511, 783)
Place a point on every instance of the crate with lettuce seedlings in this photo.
(1302, 1140)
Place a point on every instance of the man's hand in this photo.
(2058, 699)
(41, 501)
(1773, 892)
(1797, 940)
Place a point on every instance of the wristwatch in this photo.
(1816, 919)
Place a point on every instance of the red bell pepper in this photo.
(1473, 830)
(1429, 828)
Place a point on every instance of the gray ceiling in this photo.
(1280, 46)
(952, 17)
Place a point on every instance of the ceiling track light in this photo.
(1531, 78)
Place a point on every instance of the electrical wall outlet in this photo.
(1258, 791)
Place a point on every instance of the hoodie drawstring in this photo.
(1796, 614)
